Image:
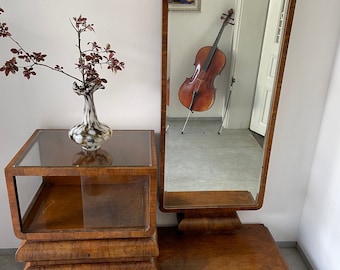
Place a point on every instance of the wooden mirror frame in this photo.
(225, 210)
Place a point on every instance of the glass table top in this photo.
(53, 148)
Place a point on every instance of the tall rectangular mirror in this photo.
(221, 83)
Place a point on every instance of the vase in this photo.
(90, 133)
(93, 158)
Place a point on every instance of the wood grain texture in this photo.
(249, 248)
(209, 222)
(147, 265)
(88, 250)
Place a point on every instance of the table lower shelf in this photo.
(82, 204)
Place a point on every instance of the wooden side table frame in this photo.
(85, 209)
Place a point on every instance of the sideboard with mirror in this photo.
(214, 159)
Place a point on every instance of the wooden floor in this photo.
(249, 248)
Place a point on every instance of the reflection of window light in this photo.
(280, 24)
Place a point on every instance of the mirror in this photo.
(215, 144)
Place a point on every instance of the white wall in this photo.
(319, 233)
(132, 100)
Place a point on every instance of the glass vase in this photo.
(90, 133)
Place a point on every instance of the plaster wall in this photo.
(131, 100)
(319, 233)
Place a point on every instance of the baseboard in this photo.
(304, 257)
(7, 251)
(293, 244)
(286, 244)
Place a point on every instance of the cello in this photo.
(198, 93)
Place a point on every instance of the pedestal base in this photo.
(209, 222)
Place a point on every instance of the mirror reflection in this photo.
(221, 72)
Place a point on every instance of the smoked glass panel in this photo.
(54, 148)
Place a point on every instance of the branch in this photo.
(88, 59)
(43, 65)
(58, 70)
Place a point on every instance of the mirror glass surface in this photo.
(218, 113)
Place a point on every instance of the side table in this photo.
(90, 210)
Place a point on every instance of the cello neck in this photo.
(214, 47)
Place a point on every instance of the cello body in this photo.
(198, 92)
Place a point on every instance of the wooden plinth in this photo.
(249, 248)
(98, 266)
(208, 221)
(90, 254)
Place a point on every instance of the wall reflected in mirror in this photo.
(220, 148)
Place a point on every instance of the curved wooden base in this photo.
(98, 266)
(117, 254)
(210, 222)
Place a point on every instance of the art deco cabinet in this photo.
(88, 210)
(97, 210)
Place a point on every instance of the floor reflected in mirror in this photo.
(201, 159)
